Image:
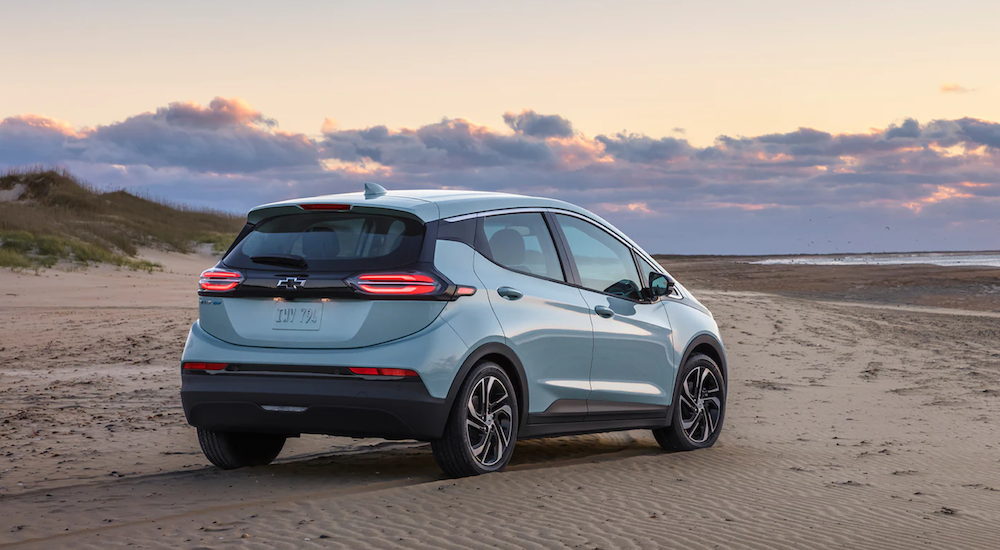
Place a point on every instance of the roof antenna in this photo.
(373, 190)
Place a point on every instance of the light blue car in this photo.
(466, 319)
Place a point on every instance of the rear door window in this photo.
(329, 242)
(521, 242)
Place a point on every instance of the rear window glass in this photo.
(329, 242)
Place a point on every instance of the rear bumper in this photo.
(436, 353)
(346, 406)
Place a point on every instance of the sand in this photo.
(849, 426)
(972, 288)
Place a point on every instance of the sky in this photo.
(724, 127)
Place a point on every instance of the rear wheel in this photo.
(482, 427)
(699, 407)
(229, 450)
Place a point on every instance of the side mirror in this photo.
(660, 285)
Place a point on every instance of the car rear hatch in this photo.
(325, 276)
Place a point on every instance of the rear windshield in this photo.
(329, 242)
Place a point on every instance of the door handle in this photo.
(604, 311)
(509, 293)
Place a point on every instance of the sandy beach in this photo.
(857, 418)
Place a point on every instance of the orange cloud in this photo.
(577, 152)
(742, 206)
(43, 122)
(220, 112)
(943, 193)
(368, 168)
(329, 126)
(639, 207)
(954, 88)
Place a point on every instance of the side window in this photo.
(604, 263)
(521, 242)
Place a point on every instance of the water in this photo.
(947, 260)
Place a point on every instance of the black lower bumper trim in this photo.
(235, 402)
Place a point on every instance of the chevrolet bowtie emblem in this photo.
(291, 283)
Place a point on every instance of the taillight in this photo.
(204, 366)
(372, 371)
(395, 284)
(325, 206)
(219, 280)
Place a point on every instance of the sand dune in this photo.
(848, 427)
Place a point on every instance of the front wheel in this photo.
(482, 427)
(699, 407)
(229, 450)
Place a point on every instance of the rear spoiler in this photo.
(284, 209)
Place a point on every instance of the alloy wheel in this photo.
(489, 421)
(700, 404)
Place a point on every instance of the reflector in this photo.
(396, 372)
(372, 371)
(204, 366)
(367, 371)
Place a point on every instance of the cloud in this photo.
(449, 144)
(530, 123)
(31, 139)
(910, 128)
(220, 113)
(329, 126)
(980, 131)
(644, 149)
(953, 88)
(806, 190)
(802, 136)
(227, 136)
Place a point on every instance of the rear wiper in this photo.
(280, 259)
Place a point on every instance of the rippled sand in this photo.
(848, 427)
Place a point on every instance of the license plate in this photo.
(289, 316)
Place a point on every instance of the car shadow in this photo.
(415, 460)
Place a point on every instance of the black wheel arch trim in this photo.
(494, 348)
(720, 351)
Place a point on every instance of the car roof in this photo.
(430, 204)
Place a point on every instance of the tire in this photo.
(477, 441)
(697, 419)
(230, 451)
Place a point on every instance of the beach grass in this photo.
(57, 217)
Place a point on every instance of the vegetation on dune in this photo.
(55, 217)
(220, 241)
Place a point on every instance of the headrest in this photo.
(320, 243)
(507, 246)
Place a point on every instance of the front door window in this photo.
(605, 264)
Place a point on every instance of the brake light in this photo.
(219, 280)
(204, 366)
(396, 284)
(372, 371)
(325, 206)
